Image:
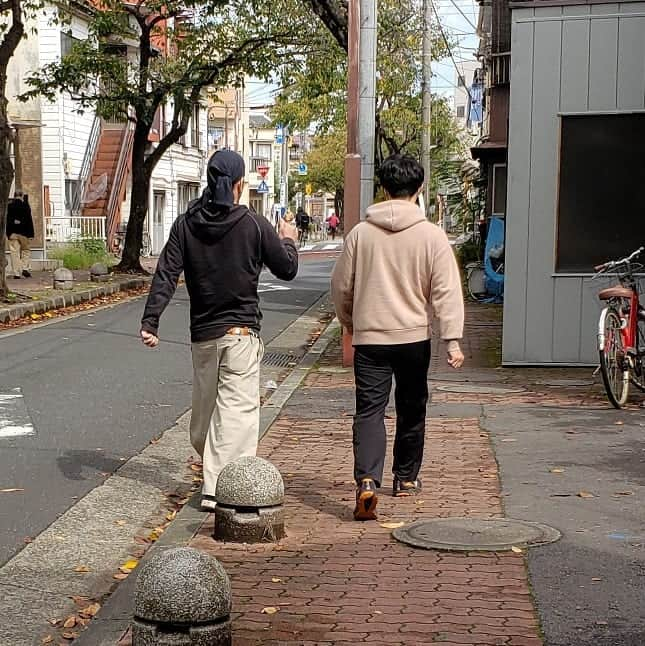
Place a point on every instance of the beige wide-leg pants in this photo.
(225, 421)
(20, 253)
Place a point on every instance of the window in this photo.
(67, 42)
(262, 151)
(71, 186)
(499, 189)
(461, 111)
(600, 209)
(186, 193)
(194, 132)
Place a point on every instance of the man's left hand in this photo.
(456, 358)
(150, 340)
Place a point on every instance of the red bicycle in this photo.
(621, 330)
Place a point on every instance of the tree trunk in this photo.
(131, 256)
(6, 178)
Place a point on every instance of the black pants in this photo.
(374, 366)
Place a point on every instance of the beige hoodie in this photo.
(397, 271)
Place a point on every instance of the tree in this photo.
(13, 15)
(182, 49)
(326, 169)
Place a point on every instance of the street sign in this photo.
(263, 171)
(263, 187)
(308, 189)
(279, 135)
(302, 168)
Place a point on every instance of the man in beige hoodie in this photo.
(396, 273)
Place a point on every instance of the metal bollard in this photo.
(182, 598)
(250, 497)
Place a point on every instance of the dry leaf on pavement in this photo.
(53, 622)
(82, 569)
(276, 579)
(517, 550)
(269, 610)
(47, 640)
(91, 610)
(70, 622)
(391, 525)
(585, 494)
(557, 470)
(128, 566)
(70, 636)
(120, 576)
(13, 490)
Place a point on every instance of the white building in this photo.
(261, 165)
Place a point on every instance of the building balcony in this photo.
(257, 162)
(500, 69)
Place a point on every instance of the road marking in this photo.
(272, 287)
(327, 247)
(14, 418)
(307, 247)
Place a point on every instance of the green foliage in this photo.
(82, 254)
(467, 253)
(466, 190)
(326, 161)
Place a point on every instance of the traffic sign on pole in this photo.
(263, 187)
(302, 168)
(263, 171)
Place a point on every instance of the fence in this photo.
(68, 229)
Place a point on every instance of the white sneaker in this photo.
(208, 503)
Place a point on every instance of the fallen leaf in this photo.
(91, 610)
(141, 540)
(275, 579)
(624, 493)
(596, 578)
(557, 470)
(80, 601)
(11, 490)
(128, 566)
(47, 640)
(585, 494)
(269, 610)
(69, 636)
(196, 467)
(70, 622)
(391, 525)
(54, 622)
(517, 550)
(120, 576)
(171, 516)
(619, 423)
(120, 523)
(82, 569)
(419, 502)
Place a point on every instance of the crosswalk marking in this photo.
(330, 246)
(14, 418)
(272, 287)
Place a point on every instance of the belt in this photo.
(241, 331)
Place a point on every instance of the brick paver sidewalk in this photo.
(335, 581)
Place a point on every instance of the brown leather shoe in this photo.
(366, 500)
(402, 488)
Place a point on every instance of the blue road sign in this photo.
(263, 187)
(302, 168)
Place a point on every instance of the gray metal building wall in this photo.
(569, 59)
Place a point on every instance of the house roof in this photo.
(259, 121)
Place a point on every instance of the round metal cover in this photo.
(486, 389)
(475, 534)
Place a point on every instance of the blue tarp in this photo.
(494, 244)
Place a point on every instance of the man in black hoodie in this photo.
(20, 230)
(221, 246)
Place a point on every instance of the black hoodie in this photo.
(221, 252)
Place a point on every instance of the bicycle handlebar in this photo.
(623, 261)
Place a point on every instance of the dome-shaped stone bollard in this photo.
(63, 279)
(250, 497)
(182, 598)
(99, 273)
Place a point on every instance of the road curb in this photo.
(116, 614)
(21, 310)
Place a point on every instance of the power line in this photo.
(466, 18)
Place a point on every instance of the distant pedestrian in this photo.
(20, 232)
(397, 271)
(221, 246)
(332, 223)
(302, 222)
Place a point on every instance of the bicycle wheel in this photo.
(638, 373)
(476, 282)
(613, 358)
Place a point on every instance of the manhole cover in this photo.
(279, 359)
(478, 390)
(475, 535)
(565, 383)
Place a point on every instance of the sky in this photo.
(458, 18)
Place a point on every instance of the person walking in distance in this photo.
(20, 232)
(221, 246)
(333, 223)
(396, 272)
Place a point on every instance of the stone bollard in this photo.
(250, 496)
(63, 279)
(182, 598)
(99, 273)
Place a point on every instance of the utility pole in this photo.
(367, 100)
(284, 183)
(426, 134)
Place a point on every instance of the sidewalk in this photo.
(335, 581)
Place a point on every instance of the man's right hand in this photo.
(287, 230)
(150, 340)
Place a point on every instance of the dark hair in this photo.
(401, 175)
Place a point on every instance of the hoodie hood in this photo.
(394, 215)
(209, 223)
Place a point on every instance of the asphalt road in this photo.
(96, 396)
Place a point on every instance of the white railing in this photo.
(69, 229)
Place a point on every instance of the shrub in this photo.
(82, 253)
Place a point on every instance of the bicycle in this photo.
(621, 330)
(119, 242)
